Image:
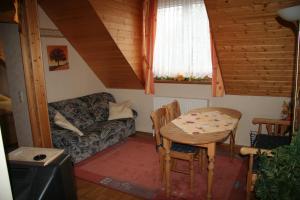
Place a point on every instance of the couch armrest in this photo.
(253, 151)
(271, 121)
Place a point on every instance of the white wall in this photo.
(249, 106)
(9, 35)
(80, 80)
(142, 103)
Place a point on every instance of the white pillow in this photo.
(61, 121)
(120, 110)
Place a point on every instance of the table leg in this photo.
(211, 149)
(166, 144)
(232, 142)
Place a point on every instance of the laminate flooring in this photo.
(91, 191)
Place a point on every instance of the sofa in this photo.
(90, 115)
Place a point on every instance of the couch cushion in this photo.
(265, 141)
(106, 129)
(51, 112)
(79, 147)
(75, 111)
(120, 110)
(98, 105)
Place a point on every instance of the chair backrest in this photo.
(274, 127)
(173, 110)
(159, 119)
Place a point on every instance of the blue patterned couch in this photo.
(89, 114)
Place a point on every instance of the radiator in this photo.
(186, 104)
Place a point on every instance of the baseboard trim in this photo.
(143, 133)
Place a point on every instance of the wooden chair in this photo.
(178, 151)
(277, 135)
(233, 134)
(173, 110)
(158, 118)
(273, 126)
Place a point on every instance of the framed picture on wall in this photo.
(57, 57)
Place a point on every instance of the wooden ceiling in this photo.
(255, 48)
(124, 23)
(110, 59)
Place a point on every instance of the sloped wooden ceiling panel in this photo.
(123, 20)
(256, 50)
(80, 24)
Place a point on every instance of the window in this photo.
(182, 44)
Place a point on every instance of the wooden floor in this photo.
(91, 191)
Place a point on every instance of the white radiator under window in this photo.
(186, 104)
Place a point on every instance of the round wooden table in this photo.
(172, 133)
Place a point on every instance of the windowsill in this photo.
(201, 82)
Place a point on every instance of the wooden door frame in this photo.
(34, 73)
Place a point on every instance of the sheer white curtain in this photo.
(182, 45)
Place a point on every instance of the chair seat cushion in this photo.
(184, 148)
(264, 141)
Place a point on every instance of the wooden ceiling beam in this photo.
(34, 75)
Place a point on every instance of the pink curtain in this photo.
(149, 29)
(217, 81)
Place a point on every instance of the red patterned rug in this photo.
(132, 167)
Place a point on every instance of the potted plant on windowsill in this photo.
(182, 79)
(279, 175)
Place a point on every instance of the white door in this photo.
(4, 183)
